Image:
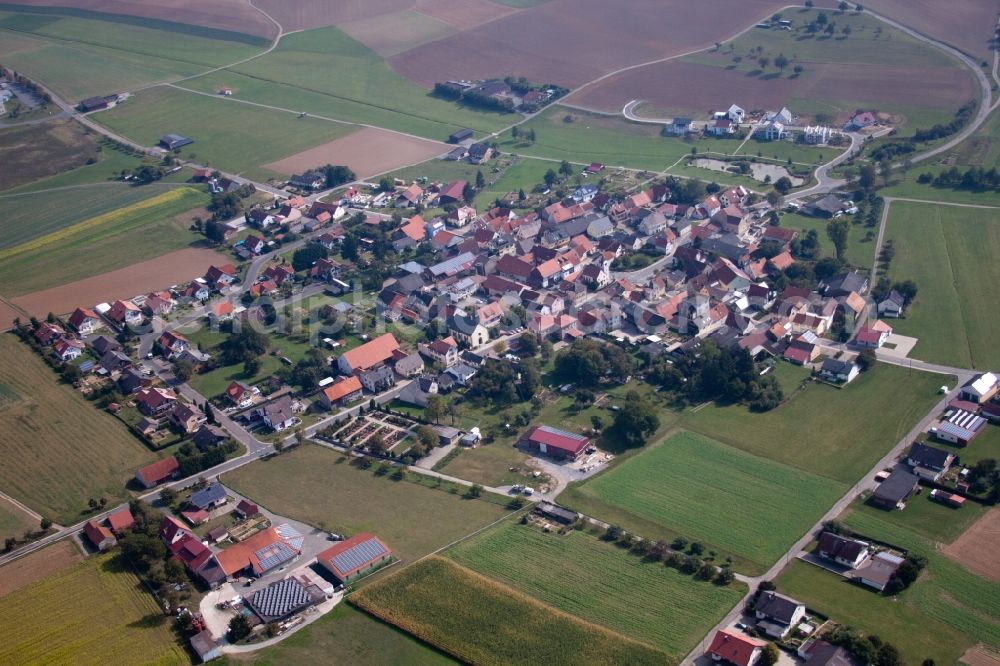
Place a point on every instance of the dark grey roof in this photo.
(823, 654)
(410, 363)
(894, 297)
(777, 606)
(557, 512)
(279, 600)
(207, 496)
(280, 410)
(836, 366)
(833, 545)
(921, 455)
(830, 204)
(897, 487)
(846, 282)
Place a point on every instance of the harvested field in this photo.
(40, 564)
(7, 315)
(979, 656)
(394, 33)
(481, 621)
(368, 152)
(978, 546)
(463, 14)
(308, 14)
(165, 271)
(226, 15)
(964, 24)
(36, 151)
(544, 43)
(670, 87)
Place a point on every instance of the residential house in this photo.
(310, 180)
(452, 192)
(409, 365)
(862, 119)
(928, 462)
(220, 277)
(172, 343)
(254, 244)
(195, 291)
(479, 153)
(125, 313)
(210, 497)
(820, 653)
(156, 473)
(873, 336)
(802, 349)
(67, 350)
(377, 379)
(121, 521)
(892, 305)
(842, 550)
(878, 570)
(829, 206)
(278, 414)
(158, 304)
(839, 371)
(895, 490)
(721, 127)
(679, 126)
(155, 400)
(341, 392)
(187, 417)
(409, 196)
(241, 395)
(208, 437)
(777, 614)
(85, 321)
(734, 647)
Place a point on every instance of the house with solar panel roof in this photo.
(356, 557)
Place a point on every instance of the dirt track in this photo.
(170, 269)
(978, 546)
(368, 152)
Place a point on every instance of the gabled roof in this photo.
(345, 387)
(208, 496)
(558, 439)
(371, 353)
(922, 455)
(96, 533)
(352, 555)
(777, 606)
(158, 471)
(734, 647)
(263, 552)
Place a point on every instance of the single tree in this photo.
(837, 231)
(565, 168)
(239, 628)
(550, 178)
(480, 180)
(435, 409)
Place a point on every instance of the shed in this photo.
(459, 136)
(557, 513)
(204, 645)
(174, 141)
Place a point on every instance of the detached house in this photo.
(153, 401)
(85, 321)
(735, 647)
(47, 333)
(187, 418)
(278, 414)
(220, 277)
(125, 313)
(241, 395)
(156, 473)
(777, 614)
(841, 372)
(173, 344)
(442, 350)
(892, 305)
(845, 552)
(929, 462)
(67, 349)
(341, 392)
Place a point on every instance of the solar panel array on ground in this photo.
(273, 555)
(280, 599)
(358, 556)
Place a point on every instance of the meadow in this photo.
(949, 252)
(218, 127)
(954, 608)
(860, 251)
(326, 72)
(481, 621)
(13, 521)
(748, 508)
(58, 449)
(35, 151)
(80, 57)
(55, 619)
(831, 432)
(600, 583)
(355, 638)
(143, 229)
(319, 486)
(926, 518)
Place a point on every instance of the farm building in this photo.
(263, 552)
(355, 557)
(174, 141)
(343, 391)
(735, 647)
(777, 614)
(460, 135)
(981, 389)
(555, 443)
(960, 427)
(368, 355)
(843, 551)
(99, 535)
(877, 571)
(947, 498)
(158, 472)
(121, 521)
(556, 513)
(204, 645)
(895, 490)
(928, 462)
(282, 599)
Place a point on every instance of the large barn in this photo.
(555, 443)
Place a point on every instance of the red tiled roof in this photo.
(342, 388)
(558, 439)
(328, 555)
(96, 533)
(371, 353)
(241, 555)
(121, 519)
(158, 471)
(734, 647)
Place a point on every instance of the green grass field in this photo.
(218, 127)
(745, 506)
(325, 72)
(860, 252)
(954, 608)
(985, 445)
(907, 187)
(55, 619)
(310, 484)
(600, 583)
(349, 636)
(13, 521)
(481, 621)
(58, 449)
(142, 230)
(831, 432)
(929, 519)
(80, 57)
(950, 253)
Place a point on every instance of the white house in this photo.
(736, 114)
(777, 614)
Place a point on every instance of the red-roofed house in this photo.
(264, 551)
(873, 336)
(340, 392)
(67, 349)
(85, 321)
(220, 276)
(158, 472)
(368, 355)
(173, 344)
(415, 229)
(452, 192)
(153, 401)
(356, 557)
(736, 648)
(99, 535)
(780, 262)
(555, 443)
(125, 313)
